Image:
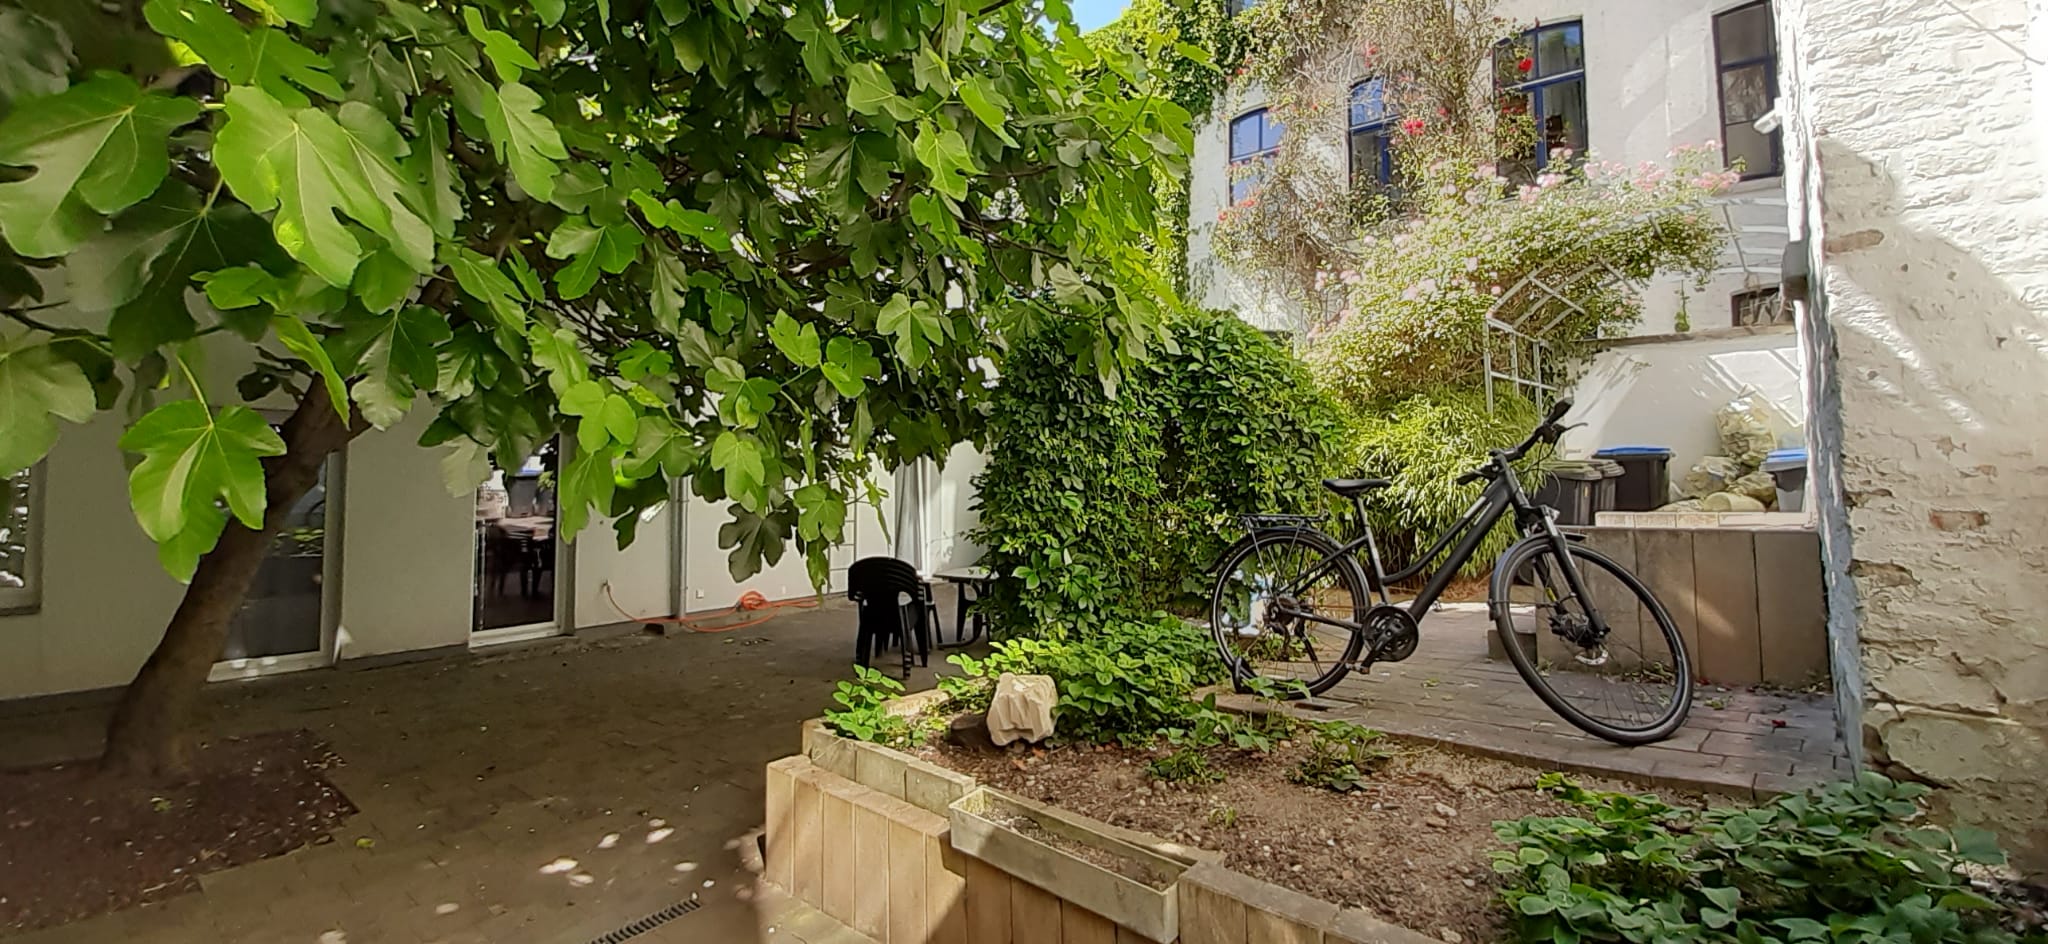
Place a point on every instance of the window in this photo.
(20, 570)
(1542, 74)
(1254, 138)
(1239, 6)
(1372, 134)
(1759, 307)
(1746, 67)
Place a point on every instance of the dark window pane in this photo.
(1745, 93)
(1559, 50)
(1368, 102)
(1561, 116)
(1371, 156)
(16, 506)
(1756, 154)
(1244, 135)
(1744, 34)
(1270, 128)
(281, 614)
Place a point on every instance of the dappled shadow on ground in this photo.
(552, 792)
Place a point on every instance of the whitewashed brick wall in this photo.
(1921, 140)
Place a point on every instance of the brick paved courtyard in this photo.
(544, 795)
(1742, 743)
(556, 792)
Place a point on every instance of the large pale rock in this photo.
(1022, 708)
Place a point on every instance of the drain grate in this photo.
(648, 923)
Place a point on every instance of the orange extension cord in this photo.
(748, 601)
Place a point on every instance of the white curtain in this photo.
(909, 534)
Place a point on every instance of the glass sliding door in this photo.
(515, 546)
(282, 613)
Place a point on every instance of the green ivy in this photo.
(1099, 505)
(1847, 863)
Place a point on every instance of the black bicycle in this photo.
(1294, 607)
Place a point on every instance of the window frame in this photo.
(1263, 151)
(1535, 87)
(1722, 66)
(1384, 177)
(28, 598)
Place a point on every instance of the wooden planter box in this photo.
(980, 829)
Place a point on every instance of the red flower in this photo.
(1412, 125)
(1526, 64)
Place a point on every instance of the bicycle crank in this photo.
(1391, 634)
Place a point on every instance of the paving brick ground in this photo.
(1737, 742)
(556, 792)
(546, 795)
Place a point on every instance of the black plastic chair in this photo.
(895, 603)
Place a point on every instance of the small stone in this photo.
(1469, 883)
(1434, 822)
(1449, 812)
(1451, 937)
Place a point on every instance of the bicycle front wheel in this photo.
(1264, 582)
(1604, 654)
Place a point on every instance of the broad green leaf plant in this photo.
(753, 248)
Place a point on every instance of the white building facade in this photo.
(1628, 80)
(381, 563)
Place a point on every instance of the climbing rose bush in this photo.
(1417, 291)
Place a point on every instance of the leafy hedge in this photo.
(1098, 505)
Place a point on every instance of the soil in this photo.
(75, 843)
(1411, 845)
(1129, 868)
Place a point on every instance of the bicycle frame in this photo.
(1502, 494)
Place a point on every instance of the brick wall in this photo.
(1920, 133)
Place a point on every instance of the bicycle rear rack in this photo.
(1255, 522)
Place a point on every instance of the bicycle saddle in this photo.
(1352, 488)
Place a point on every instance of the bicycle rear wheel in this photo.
(1610, 660)
(1257, 640)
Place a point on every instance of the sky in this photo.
(1089, 14)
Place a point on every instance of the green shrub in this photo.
(1424, 443)
(1127, 683)
(1097, 508)
(1848, 863)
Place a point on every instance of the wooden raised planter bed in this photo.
(906, 852)
(1073, 857)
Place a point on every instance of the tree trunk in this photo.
(147, 737)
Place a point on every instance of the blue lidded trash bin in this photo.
(1646, 476)
(1788, 470)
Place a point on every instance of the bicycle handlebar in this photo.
(1546, 431)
